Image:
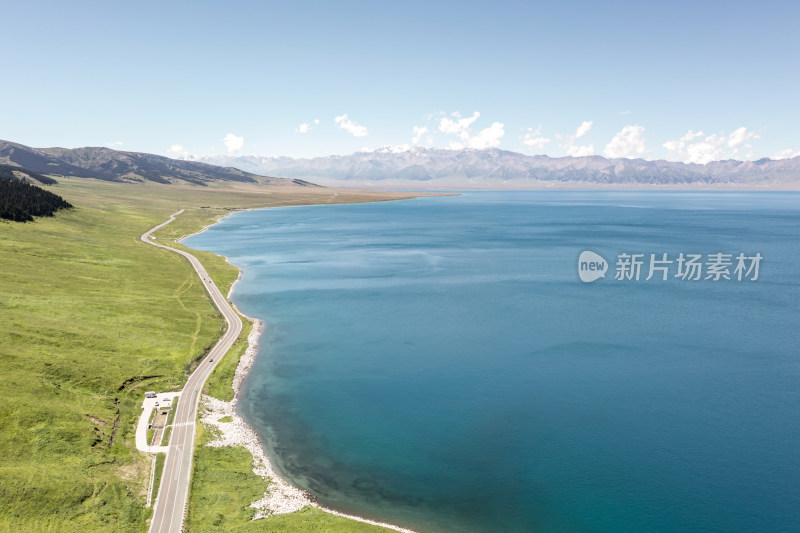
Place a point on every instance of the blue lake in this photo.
(437, 363)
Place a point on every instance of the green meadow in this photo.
(91, 319)
(224, 486)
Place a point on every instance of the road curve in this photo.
(173, 493)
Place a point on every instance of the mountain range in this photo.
(392, 167)
(23, 162)
(428, 168)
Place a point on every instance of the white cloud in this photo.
(178, 150)
(740, 137)
(305, 127)
(583, 129)
(580, 151)
(572, 149)
(705, 151)
(626, 112)
(431, 116)
(697, 147)
(462, 127)
(458, 126)
(350, 127)
(421, 136)
(534, 143)
(533, 138)
(488, 138)
(675, 146)
(786, 154)
(115, 144)
(629, 140)
(233, 143)
(396, 149)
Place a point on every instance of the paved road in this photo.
(174, 490)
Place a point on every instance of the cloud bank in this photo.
(570, 145)
(462, 128)
(628, 142)
(697, 147)
(534, 140)
(233, 143)
(350, 127)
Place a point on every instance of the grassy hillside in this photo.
(11, 172)
(114, 165)
(92, 318)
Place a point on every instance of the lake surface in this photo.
(437, 363)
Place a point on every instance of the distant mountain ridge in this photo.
(17, 173)
(492, 167)
(114, 165)
(419, 168)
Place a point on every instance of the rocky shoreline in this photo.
(280, 497)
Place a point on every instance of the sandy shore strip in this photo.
(280, 497)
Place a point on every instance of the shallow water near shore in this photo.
(437, 363)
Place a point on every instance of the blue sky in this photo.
(678, 80)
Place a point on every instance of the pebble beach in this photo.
(280, 497)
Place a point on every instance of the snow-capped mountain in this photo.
(426, 168)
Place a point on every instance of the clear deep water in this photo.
(437, 363)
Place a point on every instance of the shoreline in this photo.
(198, 232)
(281, 497)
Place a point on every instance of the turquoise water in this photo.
(437, 363)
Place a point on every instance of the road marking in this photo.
(177, 492)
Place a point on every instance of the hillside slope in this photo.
(113, 165)
(91, 319)
(12, 172)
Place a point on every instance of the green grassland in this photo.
(224, 486)
(157, 472)
(91, 318)
(191, 221)
(220, 383)
(168, 424)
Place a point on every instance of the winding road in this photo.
(173, 493)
